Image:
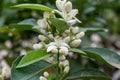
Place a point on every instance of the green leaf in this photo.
(89, 30)
(33, 6)
(59, 24)
(78, 51)
(29, 72)
(27, 24)
(102, 55)
(32, 57)
(88, 74)
(77, 71)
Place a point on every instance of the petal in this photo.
(64, 44)
(50, 48)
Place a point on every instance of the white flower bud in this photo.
(66, 63)
(75, 43)
(37, 46)
(60, 4)
(51, 36)
(75, 30)
(46, 15)
(63, 50)
(71, 54)
(68, 6)
(67, 31)
(55, 51)
(42, 23)
(61, 63)
(80, 35)
(46, 74)
(62, 57)
(42, 38)
(67, 39)
(66, 69)
(42, 78)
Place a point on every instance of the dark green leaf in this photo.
(33, 6)
(27, 24)
(29, 72)
(59, 24)
(32, 57)
(88, 74)
(102, 55)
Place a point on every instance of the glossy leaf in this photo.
(102, 55)
(32, 57)
(88, 74)
(77, 71)
(29, 72)
(33, 6)
(59, 24)
(27, 24)
(88, 30)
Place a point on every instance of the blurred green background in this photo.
(92, 13)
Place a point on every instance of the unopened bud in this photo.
(63, 50)
(46, 74)
(66, 63)
(62, 57)
(37, 46)
(75, 30)
(80, 35)
(68, 6)
(67, 39)
(55, 51)
(42, 38)
(66, 69)
(42, 23)
(42, 78)
(75, 43)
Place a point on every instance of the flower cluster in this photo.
(59, 44)
(67, 12)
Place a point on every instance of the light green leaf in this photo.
(102, 55)
(34, 6)
(32, 57)
(59, 24)
(90, 30)
(30, 72)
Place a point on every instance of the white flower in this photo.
(66, 69)
(42, 37)
(57, 44)
(67, 39)
(37, 46)
(46, 74)
(42, 23)
(42, 78)
(75, 30)
(46, 15)
(80, 35)
(62, 57)
(60, 4)
(66, 63)
(75, 43)
(68, 6)
(64, 50)
(55, 51)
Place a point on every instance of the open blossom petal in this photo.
(64, 50)
(50, 48)
(60, 4)
(64, 44)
